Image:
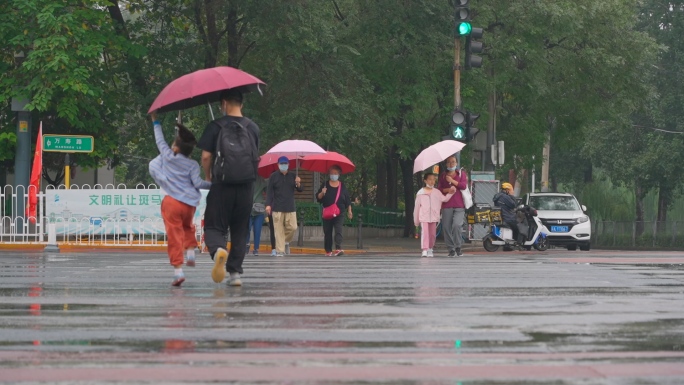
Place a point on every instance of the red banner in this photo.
(36, 175)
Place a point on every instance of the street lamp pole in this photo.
(22, 159)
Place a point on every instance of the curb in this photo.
(39, 247)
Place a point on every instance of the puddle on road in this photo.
(8, 308)
(207, 345)
(660, 335)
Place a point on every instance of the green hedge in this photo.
(309, 214)
(619, 234)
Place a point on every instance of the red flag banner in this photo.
(36, 175)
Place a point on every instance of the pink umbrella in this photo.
(203, 86)
(323, 162)
(268, 164)
(436, 153)
(296, 148)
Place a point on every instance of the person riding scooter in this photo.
(506, 200)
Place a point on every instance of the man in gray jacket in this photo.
(280, 202)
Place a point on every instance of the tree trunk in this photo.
(233, 38)
(392, 180)
(381, 184)
(209, 35)
(59, 178)
(407, 178)
(135, 68)
(589, 174)
(364, 187)
(491, 128)
(546, 153)
(3, 176)
(663, 205)
(639, 194)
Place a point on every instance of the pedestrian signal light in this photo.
(459, 133)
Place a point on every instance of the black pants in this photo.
(513, 225)
(271, 231)
(228, 207)
(328, 227)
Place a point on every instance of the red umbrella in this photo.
(203, 86)
(323, 162)
(269, 164)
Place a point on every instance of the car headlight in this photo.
(583, 219)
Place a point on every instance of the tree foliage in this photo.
(373, 80)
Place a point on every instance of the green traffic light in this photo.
(464, 28)
(458, 133)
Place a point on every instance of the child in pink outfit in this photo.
(426, 212)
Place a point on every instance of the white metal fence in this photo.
(15, 227)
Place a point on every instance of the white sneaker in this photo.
(235, 279)
(273, 253)
(430, 253)
(287, 249)
(424, 254)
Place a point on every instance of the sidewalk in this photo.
(376, 245)
(370, 245)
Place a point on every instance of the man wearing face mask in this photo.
(333, 192)
(280, 203)
(229, 203)
(453, 210)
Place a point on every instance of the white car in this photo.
(564, 217)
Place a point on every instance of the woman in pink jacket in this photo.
(426, 212)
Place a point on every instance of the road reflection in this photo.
(179, 319)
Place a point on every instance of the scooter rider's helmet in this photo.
(506, 186)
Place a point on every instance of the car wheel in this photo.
(487, 243)
(585, 247)
(572, 247)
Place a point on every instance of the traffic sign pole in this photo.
(67, 171)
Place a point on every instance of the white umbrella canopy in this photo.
(436, 153)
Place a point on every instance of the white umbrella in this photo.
(436, 153)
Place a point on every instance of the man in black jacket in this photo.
(229, 206)
(280, 202)
(506, 200)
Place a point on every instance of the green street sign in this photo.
(68, 143)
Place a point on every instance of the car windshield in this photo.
(558, 203)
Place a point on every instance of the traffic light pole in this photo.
(457, 81)
(457, 73)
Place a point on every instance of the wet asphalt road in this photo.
(556, 317)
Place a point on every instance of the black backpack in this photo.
(236, 157)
